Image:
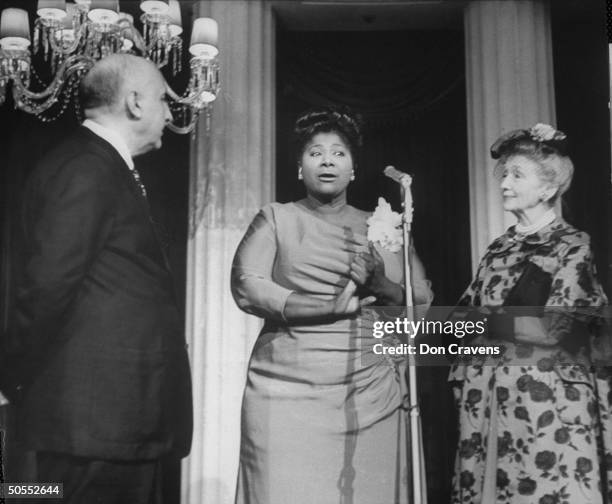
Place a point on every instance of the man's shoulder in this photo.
(80, 142)
(81, 151)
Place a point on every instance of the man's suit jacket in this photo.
(105, 367)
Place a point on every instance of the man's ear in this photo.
(133, 105)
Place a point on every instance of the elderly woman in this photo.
(321, 416)
(531, 424)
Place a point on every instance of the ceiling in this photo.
(373, 15)
(358, 15)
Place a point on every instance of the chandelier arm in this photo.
(128, 30)
(190, 98)
(162, 62)
(70, 66)
(70, 50)
(134, 35)
(184, 118)
(183, 130)
(28, 106)
(66, 50)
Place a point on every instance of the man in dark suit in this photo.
(106, 390)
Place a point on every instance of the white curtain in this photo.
(509, 81)
(232, 176)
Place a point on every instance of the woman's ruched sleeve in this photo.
(575, 283)
(574, 286)
(574, 289)
(253, 288)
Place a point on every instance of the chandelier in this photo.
(68, 38)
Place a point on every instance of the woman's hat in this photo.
(541, 133)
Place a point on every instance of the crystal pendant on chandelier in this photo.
(68, 38)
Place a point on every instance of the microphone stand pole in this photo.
(419, 486)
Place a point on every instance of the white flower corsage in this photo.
(545, 132)
(385, 227)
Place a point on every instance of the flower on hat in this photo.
(385, 227)
(545, 132)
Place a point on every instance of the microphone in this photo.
(399, 176)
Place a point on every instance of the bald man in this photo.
(105, 383)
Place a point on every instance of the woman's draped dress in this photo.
(322, 420)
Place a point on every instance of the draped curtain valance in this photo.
(413, 72)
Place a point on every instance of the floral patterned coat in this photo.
(533, 428)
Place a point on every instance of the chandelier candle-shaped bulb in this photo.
(103, 11)
(81, 10)
(204, 38)
(51, 10)
(14, 29)
(128, 19)
(175, 19)
(68, 19)
(67, 33)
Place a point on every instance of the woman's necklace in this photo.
(544, 220)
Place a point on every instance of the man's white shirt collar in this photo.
(112, 138)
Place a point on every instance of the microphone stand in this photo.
(419, 481)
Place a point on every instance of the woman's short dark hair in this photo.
(555, 166)
(326, 120)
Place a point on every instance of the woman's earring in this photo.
(353, 175)
(547, 195)
(300, 176)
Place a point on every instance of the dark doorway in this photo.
(409, 88)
